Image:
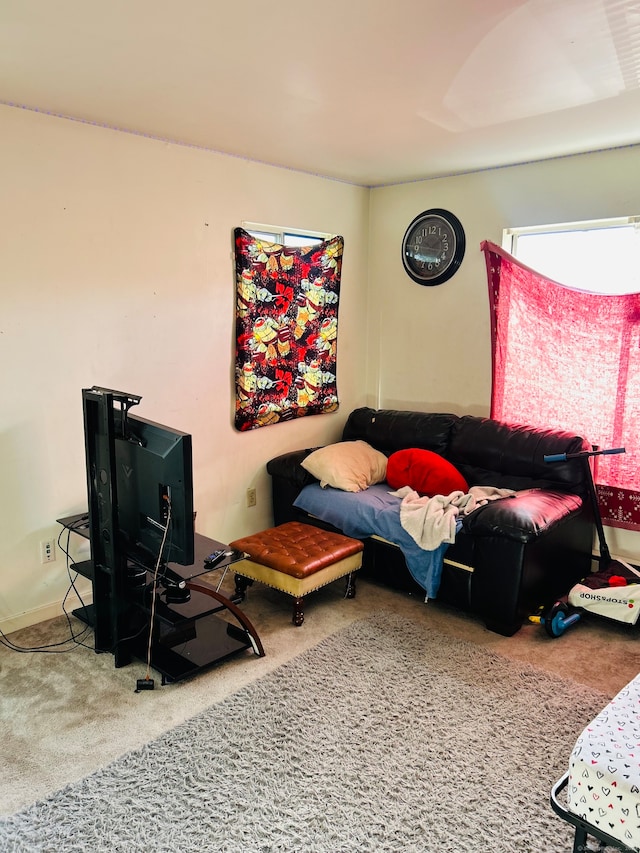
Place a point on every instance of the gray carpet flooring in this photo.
(386, 736)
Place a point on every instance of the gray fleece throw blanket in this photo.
(432, 522)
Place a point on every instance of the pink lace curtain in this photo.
(570, 359)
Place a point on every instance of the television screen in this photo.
(154, 484)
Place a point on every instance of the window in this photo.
(285, 236)
(602, 256)
(566, 344)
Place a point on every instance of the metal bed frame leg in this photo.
(583, 829)
(580, 840)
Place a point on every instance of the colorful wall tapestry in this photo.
(286, 330)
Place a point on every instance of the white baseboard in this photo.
(42, 614)
(629, 561)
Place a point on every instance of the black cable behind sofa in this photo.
(510, 557)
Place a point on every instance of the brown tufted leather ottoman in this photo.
(297, 559)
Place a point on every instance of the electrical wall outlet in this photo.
(47, 551)
(251, 497)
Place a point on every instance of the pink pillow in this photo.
(425, 472)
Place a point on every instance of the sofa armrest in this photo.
(288, 478)
(523, 517)
(287, 467)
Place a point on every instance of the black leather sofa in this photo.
(511, 556)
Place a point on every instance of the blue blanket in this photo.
(374, 512)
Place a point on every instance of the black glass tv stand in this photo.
(186, 636)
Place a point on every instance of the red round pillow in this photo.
(425, 472)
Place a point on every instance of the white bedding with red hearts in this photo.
(604, 769)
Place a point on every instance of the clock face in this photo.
(433, 247)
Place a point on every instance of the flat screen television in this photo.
(154, 482)
(139, 482)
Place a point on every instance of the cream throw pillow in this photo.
(348, 465)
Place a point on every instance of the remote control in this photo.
(216, 557)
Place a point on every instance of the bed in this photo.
(600, 795)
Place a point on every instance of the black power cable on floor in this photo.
(75, 639)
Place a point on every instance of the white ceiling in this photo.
(367, 91)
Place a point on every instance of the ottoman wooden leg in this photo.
(298, 611)
(350, 590)
(241, 586)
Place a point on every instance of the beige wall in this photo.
(432, 344)
(117, 270)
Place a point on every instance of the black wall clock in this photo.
(433, 246)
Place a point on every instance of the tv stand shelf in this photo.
(187, 636)
(183, 645)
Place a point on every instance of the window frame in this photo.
(584, 256)
(279, 233)
(510, 235)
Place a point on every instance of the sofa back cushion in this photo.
(389, 430)
(491, 453)
(486, 452)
